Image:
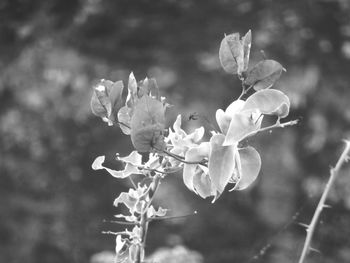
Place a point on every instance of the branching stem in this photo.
(144, 218)
(182, 159)
(321, 204)
(274, 126)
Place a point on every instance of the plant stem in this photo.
(144, 218)
(274, 126)
(181, 159)
(321, 204)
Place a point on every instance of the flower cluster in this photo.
(208, 165)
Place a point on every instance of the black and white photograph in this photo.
(174, 131)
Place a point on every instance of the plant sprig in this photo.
(334, 172)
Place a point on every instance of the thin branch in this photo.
(171, 217)
(321, 204)
(132, 182)
(123, 124)
(155, 170)
(244, 90)
(274, 126)
(119, 222)
(181, 159)
(115, 233)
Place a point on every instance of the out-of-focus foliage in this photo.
(178, 254)
(51, 54)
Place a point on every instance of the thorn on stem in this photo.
(303, 225)
(314, 250)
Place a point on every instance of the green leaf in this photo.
(221, 162)
(231, 53)
(149, 87)
(147, 125)
(100, 103)
(107, 100)
(132, 90)
(115, 96)
(264, 74)
(242, 124)
(124, 119)
(247, 43)
(249, 167)
(270, 102)
(234, 53)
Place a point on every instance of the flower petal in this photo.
(241, 125)
(128, 170)
(235, 107)
(195, 154)
(223, 120)
(221, 162)
(270, 101)
(133, 158)
(250, 164)
(203, 184)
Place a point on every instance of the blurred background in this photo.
(52, 205)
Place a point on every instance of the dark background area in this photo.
(52, 204)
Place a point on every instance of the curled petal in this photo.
(270, 102)
(177, 127)
(128, 170)
(133, 158)
(202, 183)
(249, 167)
(197, 135)
(195, 154)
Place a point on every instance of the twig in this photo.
(181, 159)
(115, 233)
(118, 222)
(170, 217)
(274, 126)
(132, 182)
(321, 204)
